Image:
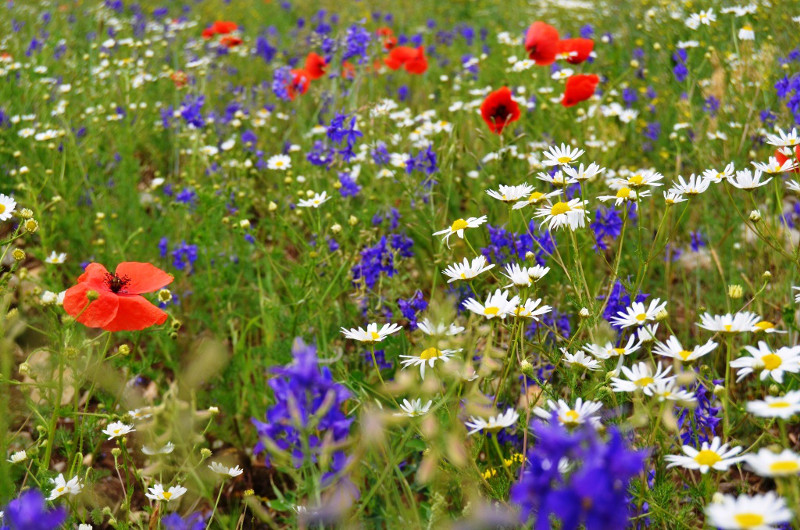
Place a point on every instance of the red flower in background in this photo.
(220, 27)
(230, 41)
(348, 70)
(498, 110)
(315, 66)
(782, 158)
(118, 305)
(299, 84)
(575, 51)
(580, 87)
(387, 35)
(541, 42)
(413, 60)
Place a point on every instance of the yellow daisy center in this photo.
(619, 351)
(167, 495)
(641, 317)
(644, 381)
(707, 458)
(564, 159)
(491, 310)
(533, 197)
(463, 276)
(2, 207)
(771, 361)
(636, 180)
(779, 405)
(727, 327)
(459, 224)
(374, 335)
(684, 354)
(60, 489)
(764, 325)
(784, 467)
(430, 353)
(571, 416)
(749, 520)
(623, 193)
(560, 208)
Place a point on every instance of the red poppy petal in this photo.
(144, 277)
(541, 42)
(98, 313)
(94, 273)
(135, 313)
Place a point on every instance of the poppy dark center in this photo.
(116, 283)
(501, 112)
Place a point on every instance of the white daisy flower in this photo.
(771, 363)
(157, 493)
(166, 449)
(647, 333)
(639, 179)
(609, 350)
(746, 180)
(279, 162)
(715, 455)
(458, 227)
(572, 214)
(117, 428)
(639, 377)
(563, 155)
(372, 333)
(624, 195)
(582, 174)
(776, 407)
(439, 328)
(637, 314)
(535, 197)
(466, 270)
(737, 323)
(557, 179)
(17, 457)
(694, 185)
(766, 326)
(510, 193)
(414, 408)
(523, 276)
(783, 139)
(531, 309)
(773, 166)
(674, 349)
(494, 423)
(7, 207)
(56, 258)
(427, 357)
(62, 486)
(673, 197)
(582, 412)
(769, 464)
(315, 201)
(667, 389)
(497, 305)
(581, 359)
(222, 469)
(760, 512)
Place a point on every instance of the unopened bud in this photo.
(205, 452)
(272, 206)
(735, 291)
(353, 220)
(18, 254)
(719, 390)
(124, 349)
(755, 216)
(526, 367)
(766, 276)
(662, 315)
(31, 226)
(92, 295)
(584, 313)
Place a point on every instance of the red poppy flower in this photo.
(541, 42)
(399, 56)
(387, 35)
(118, 306)
(300, 81)
(418, 63)
(580, 87)
(782, 158)
(498, 110)
(575, 50)
(315, 65)
(230, 41)
(348, 70)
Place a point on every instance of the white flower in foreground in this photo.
(427, 357)
(157, 493)
(715, 455)
(582, 174)
(163, 450)
(712, 175)
(458, 227)
(466, 270)
(315, 201)
(746, 180)
(7, 207)
(510, 193)
(531, 309)
(609, 350)
(694, 185)
(117, 428)
(582, 412)
(769, 464)
(776, 407)
(761, 512)
(414, 408)
(494, 423)
(581, 359)
(674, 349)
(639, 377)
(563, 155)
(637, 314)
(279, 162)
(667, 389)
(17, 457)
(535, 197)
(771, 363)
(736, 323)
(64, 487)
(222, 469)
(572, 214)
(783, 139)
(56, 259)
(372, 333)
(497, 305)
(772, 166)
(439, 328)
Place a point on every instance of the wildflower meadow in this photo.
(367, 264)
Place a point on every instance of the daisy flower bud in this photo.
(124, 349)
(353, 220)
(205, 453)
(24, 368)
(31, 226)
(272, 206)
(662, 315)
(735, 291)
(755, 216)
(719, 390)
(584, 313)
(26, 213)
(18, 254)
(116, 452)
(164, 296)
(767, 276)
(526, 367)
(336, 228)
